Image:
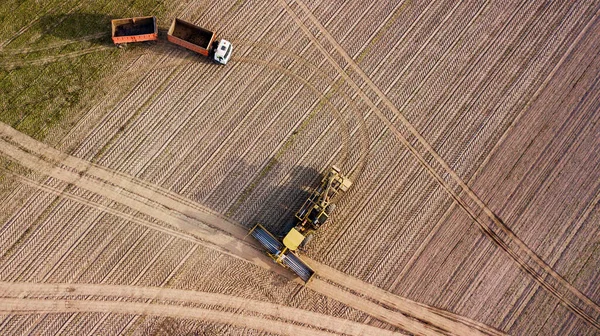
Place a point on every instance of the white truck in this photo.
(200, 40)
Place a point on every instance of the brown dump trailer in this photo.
(137, 29)
(191, 37)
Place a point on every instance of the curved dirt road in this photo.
(539, 269)
(192, 219)
(29, 306)
(51, 291)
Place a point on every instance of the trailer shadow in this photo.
(76, 26)
(95, 29)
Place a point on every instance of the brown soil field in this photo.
(469, 128)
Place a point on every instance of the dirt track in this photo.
(489, 231)
(468, 127)
(21, 290)
(194, 226)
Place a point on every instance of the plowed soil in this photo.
(469, 128)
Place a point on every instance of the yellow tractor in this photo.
(313, 213)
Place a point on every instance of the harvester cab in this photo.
(313, 213)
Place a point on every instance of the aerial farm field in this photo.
(129, 178)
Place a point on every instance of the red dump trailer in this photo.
(137, 29)
(200, 40)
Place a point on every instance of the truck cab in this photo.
(223, 52)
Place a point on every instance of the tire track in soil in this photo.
(29, 306)
(362, 55)
(357, 169)
(323, 100)
(364, 142)
(346, 135)
(50, 59)
(150, 225)
(190, 220)
(581, 128)
(241, 249)
(547, 276)
(59, 191)
(252, 61)
(52, 46)
(61, 291)
(476, 85)
(465, 27)
(116, 229)
(297, 58)
(482, 207)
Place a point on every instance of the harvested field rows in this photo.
(421, 102)
(214, 220)
(561, 282)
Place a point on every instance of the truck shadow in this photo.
(92, 27)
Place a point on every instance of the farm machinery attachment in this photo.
(314, 212)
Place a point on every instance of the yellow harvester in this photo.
(313, 213)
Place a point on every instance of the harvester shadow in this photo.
(263, 199)
(256, 195)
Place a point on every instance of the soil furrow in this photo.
(451, 173)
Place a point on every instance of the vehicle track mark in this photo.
(31, 306)
(487, 230)
(59, 291)
(187, 218)
(414, 57)
(51, 59)
(233, 244)
(52, 46)
(239, 249)
(335, 90)
(324, 100)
